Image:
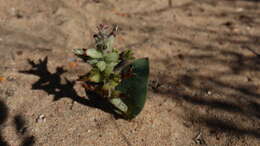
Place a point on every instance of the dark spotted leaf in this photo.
(134, 88)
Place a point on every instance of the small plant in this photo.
(115, 74)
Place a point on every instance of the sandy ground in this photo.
(204, 60)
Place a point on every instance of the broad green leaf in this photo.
(127, 55)
(92, 61)
(101, 65)
(109, 68)
(135, 89)
(111, 84)
(109, 42)
(95, 76)
(117, 102)
(112, 57)
(94, 53)
(79, 51)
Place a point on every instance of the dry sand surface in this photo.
(204, 72)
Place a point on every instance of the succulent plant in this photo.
(115, 75)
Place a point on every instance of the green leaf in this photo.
(120, 105)
(94, 53)
(92, 61)
(135, 88)
(95, 76)
(79, 51)
(109, 68)
(112, 57)
(101, 65)
(109, 42)
(111, 84)
(127, 55)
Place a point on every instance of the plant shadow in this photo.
(52, 84)
(21, 130)
(20, 127)
(3, 118)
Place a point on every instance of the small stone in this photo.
(240, 9)
(13, 11)
(180, 56)
(16, 13)
(235, 30)
(41, 118)
(10, 78)
(248, 79)
(228, 24)
(9, 92)
(19, 53)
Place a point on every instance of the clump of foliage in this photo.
(115, 74)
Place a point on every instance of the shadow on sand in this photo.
(20, 127)
(51, 83)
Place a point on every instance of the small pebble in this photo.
(240, 9)
(41, 118)
(9, 92)
(10, 78)
(19, 53)
(248, 79)
(18, 15)
(248, 28)
(13, 11)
